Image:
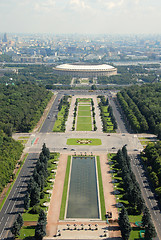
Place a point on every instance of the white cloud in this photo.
(47, 5)
(137, 1)
(112, 4)
(77, 4)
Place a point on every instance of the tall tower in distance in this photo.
(5, 38)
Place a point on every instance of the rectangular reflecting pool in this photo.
(83, 193)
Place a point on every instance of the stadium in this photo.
(83, 71)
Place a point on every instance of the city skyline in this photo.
(80, 16)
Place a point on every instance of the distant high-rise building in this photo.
(5, 38)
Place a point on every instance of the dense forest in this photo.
(142, 107)
(40, 74)
(152, 160)
(21, 106)
(10, 152)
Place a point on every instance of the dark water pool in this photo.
(83, 193)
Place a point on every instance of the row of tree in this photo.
(10, 153)
(131, 186)
(147, 99)
(64, 103)
(93, 115)
(75, 113)
(151, 157)
(132, 112)
(102, 104)
(38, 180)
(134, 197)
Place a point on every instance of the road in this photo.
(14, 202)
(120, 123)
(51, 117)
(58, 141)
(147, 193)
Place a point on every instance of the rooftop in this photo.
(102, 67)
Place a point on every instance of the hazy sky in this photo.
(80, 16)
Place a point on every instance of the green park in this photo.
(84, 141)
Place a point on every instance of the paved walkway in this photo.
(55, 202)
(69, 122)
(97, 116)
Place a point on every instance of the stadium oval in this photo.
(79, 70)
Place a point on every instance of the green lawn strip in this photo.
(135, 233)
(84, 124)
(84, 81)
(84, 103)
(135, 218)
(84, 120)
(23, 141)
(108, 119)
(102, 200)
(27, 216)
(65, 189)
(110, 128)
(145, 142)
(10, 188)
(26, 232)
(84, 113)
(84, 100)
(84, 127)
(59, 120)
(25, 137)
(84, 108)
(94, 141)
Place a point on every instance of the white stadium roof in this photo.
(75, 67)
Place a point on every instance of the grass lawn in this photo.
(26, 232)
(64, 197)
(60, 118)
(84, 81)
(84, 124)
(84, 100)
(102, 200)
(134, 233)
(84, 113)
(84, 108)
(84, 127)
(108, 119)
(84, 103)
(83, 120)
(30, 217)
(74, 141)
(110, 128)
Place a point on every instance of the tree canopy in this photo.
(21, 106)
(142, 107)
